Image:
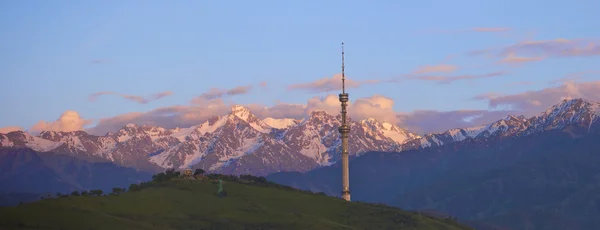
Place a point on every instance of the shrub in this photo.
(117, 191)
(199, 172)
(134, 188)
(96, 192)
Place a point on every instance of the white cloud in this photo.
(68, 121)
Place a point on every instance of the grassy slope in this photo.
(193, 205)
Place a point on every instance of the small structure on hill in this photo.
(188, 173)
(221, 192)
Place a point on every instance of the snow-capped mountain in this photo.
(239, 142)
(579, 112)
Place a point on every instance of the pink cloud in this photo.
(532, 102)
(486, 96)
(138, 99)
(449, 79)
(512, 58)
(528, 103)
(535, 50)
(9, 129)
(215, 93)
(442, 68)
(333, 83)
(68, 121)
(377, 106)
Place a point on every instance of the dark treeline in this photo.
(162, 179)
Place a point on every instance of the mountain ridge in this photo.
(240, 142)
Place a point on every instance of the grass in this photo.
(193, 204)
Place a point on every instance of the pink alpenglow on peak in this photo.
(9, 129)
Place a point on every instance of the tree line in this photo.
(160, 179)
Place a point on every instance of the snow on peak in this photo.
(181, 134)
(372, 125)
(208, 126)
(279, 123)
(568, 111)
(387, 126)
(37, 143)
(244, 114)
(241, 112)
(577, 105)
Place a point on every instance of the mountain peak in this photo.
(577, 105)
(241, 112)
(514, 118)
(319, 114)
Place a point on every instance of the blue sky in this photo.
(55, 54)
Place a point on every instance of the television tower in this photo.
(344, 130)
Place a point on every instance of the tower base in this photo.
(346, 197)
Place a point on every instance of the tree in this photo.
(134, 187)
(117, 191)
(96, 192)
(75, 193)
(85, 193)
(199, 172)
(170, 173)
(159, 177)
(261, 180)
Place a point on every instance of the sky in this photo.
(424, 65)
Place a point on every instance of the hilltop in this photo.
(194, 204)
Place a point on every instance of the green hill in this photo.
(193, 204)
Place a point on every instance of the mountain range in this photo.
(241, 143)
(236, 143)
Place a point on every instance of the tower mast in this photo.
(344, 130)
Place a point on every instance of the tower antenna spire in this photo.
(343, 67)
(344, 130)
